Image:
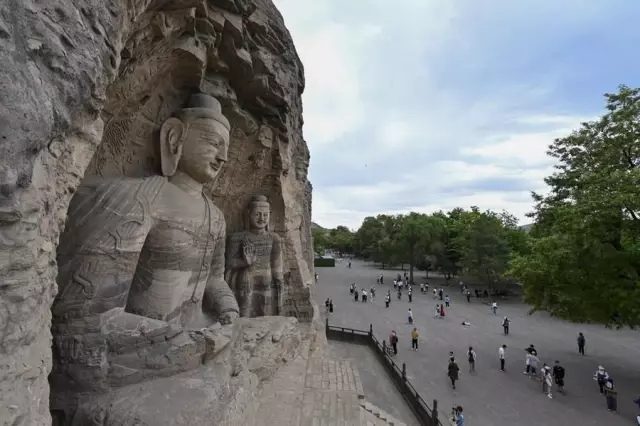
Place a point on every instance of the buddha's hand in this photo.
(228, 317)
(248, 253)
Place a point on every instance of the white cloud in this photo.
(430, 104)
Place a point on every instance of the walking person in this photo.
(501, 356)
(458, 416)
(581, 342)
(547, 382)
(558, 376)
(414, 339)
(387, 300)
(611, 393)
(471, 354)
(330, 306)
(436, 314)
(409, 294)
(447, 301)
(440, 293)
(601, 376)
(505, 325)
(453, 372)
(534, 362)
(435, 294)
(326, 307)
(393, 340)
(494, 308)
(441, 311)
(410, 316)
(468, 296)
(355, 295)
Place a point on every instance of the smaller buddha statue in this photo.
(254, 263)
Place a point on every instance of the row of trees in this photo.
(480, 243)
(581, 259)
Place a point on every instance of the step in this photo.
(372, 414)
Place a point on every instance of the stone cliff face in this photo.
(99, 79)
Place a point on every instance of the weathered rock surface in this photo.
(221, 392)
(102, 76)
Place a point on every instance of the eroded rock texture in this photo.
(100, 76)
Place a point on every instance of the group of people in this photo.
(353, 289)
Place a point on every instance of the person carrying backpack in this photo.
(472, 360)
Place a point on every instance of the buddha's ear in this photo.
(172, 136)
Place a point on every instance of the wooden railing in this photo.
(425, 415)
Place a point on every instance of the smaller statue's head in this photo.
(195, 140)
(258, 213)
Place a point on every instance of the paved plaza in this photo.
(491, 397)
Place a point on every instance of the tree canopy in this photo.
(584, 262)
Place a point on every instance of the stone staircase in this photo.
(318, 389)
(371, 415)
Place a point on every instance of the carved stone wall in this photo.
(73, 75)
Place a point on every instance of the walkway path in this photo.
(491, 397)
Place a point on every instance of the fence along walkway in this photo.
(425, 415)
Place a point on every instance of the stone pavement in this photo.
(491, 397)
(318, 389)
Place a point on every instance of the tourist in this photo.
(364, 295)
(440, 293)
(421, 288)
(393, 339)
(436, 314)
(387, 300)
(441, 311)
(534, 362)
(435, 294)
(352, 287)
(395, 283)
(459, 417)
(494, 308)
(547, 382)
(527, 364)
(316, 276)
(326, 306)
(471, 355)
(330, 306)
(381, 279)
(426, 288)
(399, 293)
(505, 325)
(349, 264)
(409, 294)
(501, 356)
(468, 296)
(355, 294)
(414, 338)
(581, 342)
(453, 371)
(410, 316)
(611, 393)
(558, 376)
(601, 376)
(447, 301)
(373, 292)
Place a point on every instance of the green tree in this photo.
(584, 263)
(341, 239)
(320, 241)
(485, 250)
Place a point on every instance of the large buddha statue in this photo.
(254, 263)
(141, 263)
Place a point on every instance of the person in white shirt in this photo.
(501, 356)
(494, 308)
(364, 295)
(410, 316)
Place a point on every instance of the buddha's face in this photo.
(205, 149)
(259, 216)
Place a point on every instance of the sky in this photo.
(426, 105)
